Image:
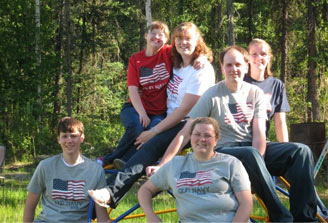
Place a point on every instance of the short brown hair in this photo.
(159, 25)
(234, 47)
(201, 48)
(69, 124)
(267, 72)
(209, 121)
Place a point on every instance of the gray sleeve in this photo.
(260, 104)
(160, 178)
(203, 106)
(239, 177)
(37, 184)
(102, 179)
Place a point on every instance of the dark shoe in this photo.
(118, 164)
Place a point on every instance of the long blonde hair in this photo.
(201, 48)
(267, 72)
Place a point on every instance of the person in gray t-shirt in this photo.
(62, 181)
(240, 109)
(208, 186)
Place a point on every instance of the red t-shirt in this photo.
(151, 75)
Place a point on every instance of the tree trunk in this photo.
(312, 97)
(68, 58)
(81, 57)
(217, 39)
(325, 11)
(231, 39)
(142, 40)
(284, 45)
(148, 12)
(58, 51)
(250, 7)
(37, 51)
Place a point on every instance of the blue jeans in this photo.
(293, 160)
(120, 183)
(133, 128)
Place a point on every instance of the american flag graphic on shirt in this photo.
(188, 179)
(241, 114)
(68, 189)
(174, 84)
(148, 75)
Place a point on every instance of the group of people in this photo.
(173, 104)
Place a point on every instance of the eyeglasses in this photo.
(205, 136)
(159, 34)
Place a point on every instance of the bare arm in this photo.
(102, 215)
(189, 100)
(175, 146)
(245, 206)
(259, 139)
(280, 126)
(137, 104)
(30, 205)
(145, 196)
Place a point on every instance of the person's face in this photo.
(155, 38)
(259, 56)
(70, 142)
(187, 43)
(203, 140)
(234, 66)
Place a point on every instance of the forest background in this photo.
(69, 57)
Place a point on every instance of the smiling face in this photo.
(203, 141)
(70, 142)
(156, 39)
(234, 66)
(186, 42)
(260, 56)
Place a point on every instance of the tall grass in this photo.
(13, 201)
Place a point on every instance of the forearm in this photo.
(136, 100)
(102, 215)
(32, 200)
(260, 144)
(28, 214)
(280, 127)
(177, 143)
(171, 120)
(245, 206)
(259, 138)
(189, 100)
(145, 194)
(243, 213)
(175, 146)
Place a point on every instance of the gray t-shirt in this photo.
(234, 111)
(64, 189)
(204, 191)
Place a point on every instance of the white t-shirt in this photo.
(188, 80)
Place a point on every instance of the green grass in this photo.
(13, 201)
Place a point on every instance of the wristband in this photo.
(154, 130)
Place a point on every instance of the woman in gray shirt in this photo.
(208, 186)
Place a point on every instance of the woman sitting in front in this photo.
(208, 186)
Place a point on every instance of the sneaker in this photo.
(323, 214)
(101, 196)
(118, 164)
